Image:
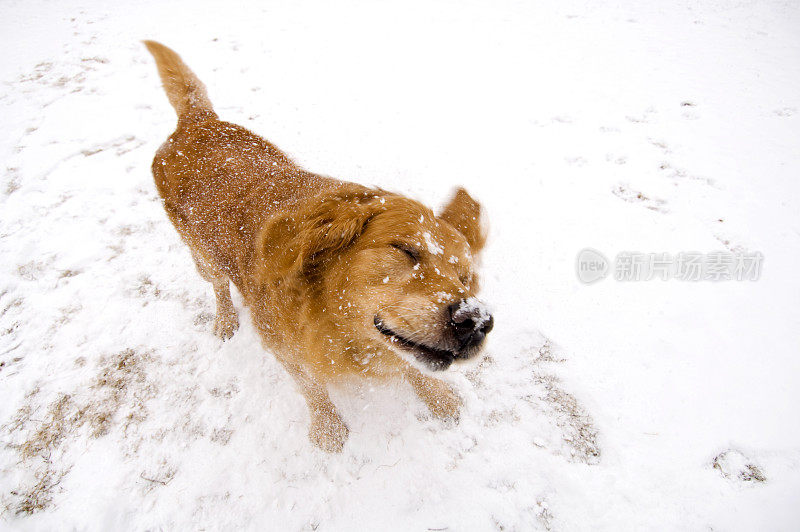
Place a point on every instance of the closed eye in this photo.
(411, 253)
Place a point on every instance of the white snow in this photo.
(617, 126)
(476, 309)
(434, 246)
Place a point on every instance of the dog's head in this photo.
(391, 272)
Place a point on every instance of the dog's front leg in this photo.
(327, 430)
(440, 398)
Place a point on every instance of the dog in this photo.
(340, 279)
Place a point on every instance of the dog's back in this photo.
(218, 180)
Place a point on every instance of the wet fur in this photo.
(315, 258)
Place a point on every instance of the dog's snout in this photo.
(471, 322)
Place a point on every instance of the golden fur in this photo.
(341, 279)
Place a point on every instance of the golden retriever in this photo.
(341, 279)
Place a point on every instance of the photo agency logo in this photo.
(591, 266)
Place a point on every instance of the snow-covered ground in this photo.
(632, 126)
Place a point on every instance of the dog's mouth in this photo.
(434, 358)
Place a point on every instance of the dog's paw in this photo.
(328, 432)
(225, 327)
(442, 401)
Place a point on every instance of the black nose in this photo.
(471, 322)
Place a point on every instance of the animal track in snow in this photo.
(566, 428)
(643, 118)
(730, 246)
(616, 159)
(735, 466)
(576, 160)
(660, 144)
(785, 111)
(681, 174)
(632, 196)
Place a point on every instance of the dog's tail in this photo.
(186, 93)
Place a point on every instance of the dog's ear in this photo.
(464, 213)
(299, 242)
